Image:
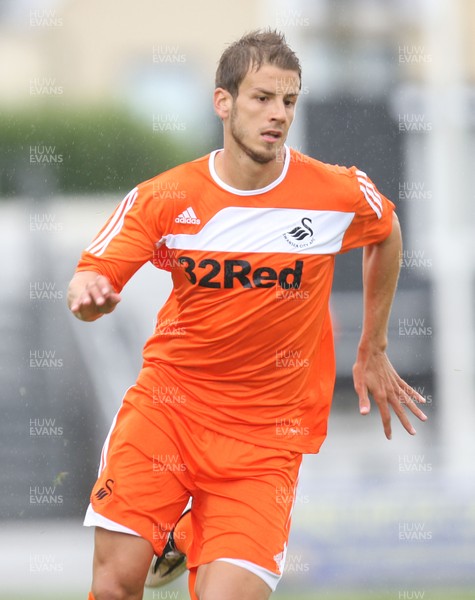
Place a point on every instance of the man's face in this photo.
(263, 111)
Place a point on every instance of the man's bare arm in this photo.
(91, 295)
(373, 373)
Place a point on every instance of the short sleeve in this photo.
(373, 218)
(127, 240)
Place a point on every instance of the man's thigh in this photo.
(121, 562)
(223, 581)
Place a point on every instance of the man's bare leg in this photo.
(220, 580)
(121, 562)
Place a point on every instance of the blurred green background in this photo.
(93, 150)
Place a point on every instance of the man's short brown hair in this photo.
(251, 52)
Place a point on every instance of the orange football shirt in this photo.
(245, 338)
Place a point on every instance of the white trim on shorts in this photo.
(268, 577)
(93, 519)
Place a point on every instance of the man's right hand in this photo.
(91, 295)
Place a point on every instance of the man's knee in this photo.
(109, 585)
(107, 590)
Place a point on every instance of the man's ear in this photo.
(222, 102)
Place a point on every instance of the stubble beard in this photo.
(258, 157)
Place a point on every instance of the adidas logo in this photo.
(188, 216)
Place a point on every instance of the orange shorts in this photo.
(242, 494)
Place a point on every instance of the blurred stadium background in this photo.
(96, 97)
